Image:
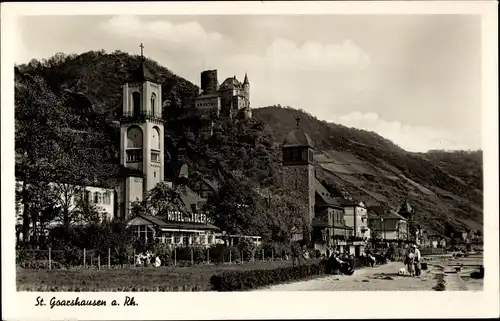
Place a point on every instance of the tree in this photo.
(238, 209)
(38, 120)
(160, 201)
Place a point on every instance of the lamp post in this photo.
(383, 226)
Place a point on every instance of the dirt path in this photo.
(380, 278)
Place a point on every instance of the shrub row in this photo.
(244, 280)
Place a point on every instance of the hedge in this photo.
(244, 280)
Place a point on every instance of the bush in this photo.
(243, 280)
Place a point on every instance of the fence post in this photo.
(208, 256)
(262, 254)
(175, 256)
(133, 259)
(109, 258)
(50, 258)
(241, 257)
(99, 262)
(192, 259)
(272, 254)
(84, 257)
(229, 255)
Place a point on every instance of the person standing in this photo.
(410, 262)
(418, 259)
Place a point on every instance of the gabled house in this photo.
(388, 225)
(206, 187)
(356, 217)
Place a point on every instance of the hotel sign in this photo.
(188, 218)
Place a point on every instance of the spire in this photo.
(298, 121)
(246, 82)
(142, 73)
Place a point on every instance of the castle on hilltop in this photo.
(231, 98)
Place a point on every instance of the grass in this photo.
(193, 278)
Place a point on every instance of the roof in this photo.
(207, 96)
(246, 82)
(405, 207)
(129, 172)
(211, 183)
(297, 138)
(346, 202)
(390, 215)
(230, 82)
(142, 73)
(324, 195)
(188, 197)
(176, 225)
(184, 171)
(324, 224)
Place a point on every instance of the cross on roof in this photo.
(298, 121)
(142, 48)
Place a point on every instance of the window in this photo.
(97, 198)
(193, 207)
(155, 139)
(153, 101)
(134, 137)
(88, 196)
(177, 239)
(106, 199)
(155, 156)
(136, 101)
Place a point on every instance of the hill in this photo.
(369, 167)
(375, 170)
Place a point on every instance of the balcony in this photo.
(134, 155)
(129, 117)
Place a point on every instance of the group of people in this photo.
(413, 260)
(343, 263)
(146, 259)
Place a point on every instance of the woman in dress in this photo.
(410, 262)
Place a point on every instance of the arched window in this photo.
(97, 198)
(155, 138)
(134, 137)
(106, 199)
(153, 101)
(136, 101)
(87, 196)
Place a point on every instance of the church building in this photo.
(323, 215)
(142, 155)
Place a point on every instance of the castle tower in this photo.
(141, 134)
(209, 82)
(298, 159)
(246, 88)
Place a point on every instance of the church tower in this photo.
(141, 134)
(298, 167)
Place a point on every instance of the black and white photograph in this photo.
(253, 153)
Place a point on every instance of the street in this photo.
(382, 278)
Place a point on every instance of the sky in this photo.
(414, 79)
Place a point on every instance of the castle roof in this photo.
(297, 138)
(246, 82)
(230, 83)
(142, 73)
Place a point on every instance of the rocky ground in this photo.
(438, 277)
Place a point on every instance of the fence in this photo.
(184, 256)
